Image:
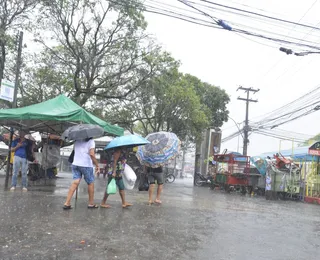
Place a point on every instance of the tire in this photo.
(198, 182)
(170, 178)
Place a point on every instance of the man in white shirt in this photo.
(84, 158)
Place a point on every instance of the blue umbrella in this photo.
(127, 141)
(164, 146)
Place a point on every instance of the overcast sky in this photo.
(227, 60)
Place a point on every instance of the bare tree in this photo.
(103, 43)
(13, 14)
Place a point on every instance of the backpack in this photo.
(71, 157)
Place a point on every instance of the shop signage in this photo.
(7, 90)
(314, 152)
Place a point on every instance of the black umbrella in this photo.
(82, 131)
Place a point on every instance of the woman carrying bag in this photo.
(115, 173)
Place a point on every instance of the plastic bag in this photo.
(112, 187)
(50, 156)
(129, 177)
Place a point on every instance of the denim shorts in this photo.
(86, 172)
(155, 176)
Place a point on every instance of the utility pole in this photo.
(246, 122)
(14, 103)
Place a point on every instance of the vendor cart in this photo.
(231, 171)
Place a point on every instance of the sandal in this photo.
(94, 206)
(67, 207)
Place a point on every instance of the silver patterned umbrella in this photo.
(82, 131)
(163, 147)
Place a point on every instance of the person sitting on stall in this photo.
(54, 143)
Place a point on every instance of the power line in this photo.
(218, 23)
(261, 15)
(254, 34)
(302, 100)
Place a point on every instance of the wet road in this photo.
(192, 223)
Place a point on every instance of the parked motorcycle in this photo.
(201, 180)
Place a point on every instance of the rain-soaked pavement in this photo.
(192, 223)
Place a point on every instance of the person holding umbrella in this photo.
(163, 146)
(116, 169)
(118, 164)
(83, 160)
(154, 174)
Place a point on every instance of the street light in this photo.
(238, 130)
(290, 51)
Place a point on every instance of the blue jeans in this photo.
(86, 172)
(17, 162)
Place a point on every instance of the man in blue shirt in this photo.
(20, 159)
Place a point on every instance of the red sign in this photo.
(314, 152)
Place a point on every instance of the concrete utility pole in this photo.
(14, 104)
(246, 122)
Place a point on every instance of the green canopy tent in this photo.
(54, 116)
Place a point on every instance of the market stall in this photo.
(303, 180)
(53, 116)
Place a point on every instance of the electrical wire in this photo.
(255, 34)
(303, 100)
(261, 15)
(228, 14)
(281, 137)
(182, 16)
(284, 134)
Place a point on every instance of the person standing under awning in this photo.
(20, 160)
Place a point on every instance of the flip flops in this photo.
(94, 206)
(66, 207)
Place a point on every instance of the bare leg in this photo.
(72, 189)
(159, 193)
(151, 188)
(123, 199)
(104, 200)
(91, 193)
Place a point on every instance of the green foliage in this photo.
(98, 53)
(312, 140)
(214, 98)
(173, 102)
